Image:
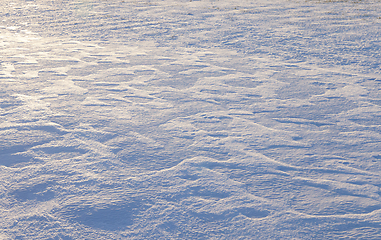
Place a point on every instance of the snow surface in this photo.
(177, 119)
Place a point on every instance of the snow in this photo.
(190, 119)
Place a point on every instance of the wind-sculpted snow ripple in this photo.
(190, 119)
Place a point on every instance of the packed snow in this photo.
(174, 119)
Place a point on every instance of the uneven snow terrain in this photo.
(177, 119)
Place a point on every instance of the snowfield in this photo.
(149, 119)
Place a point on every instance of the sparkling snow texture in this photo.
(177, 119)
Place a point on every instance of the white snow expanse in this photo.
(149, 119)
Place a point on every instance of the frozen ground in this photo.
(190, 119)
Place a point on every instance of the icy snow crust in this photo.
(190, 120)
